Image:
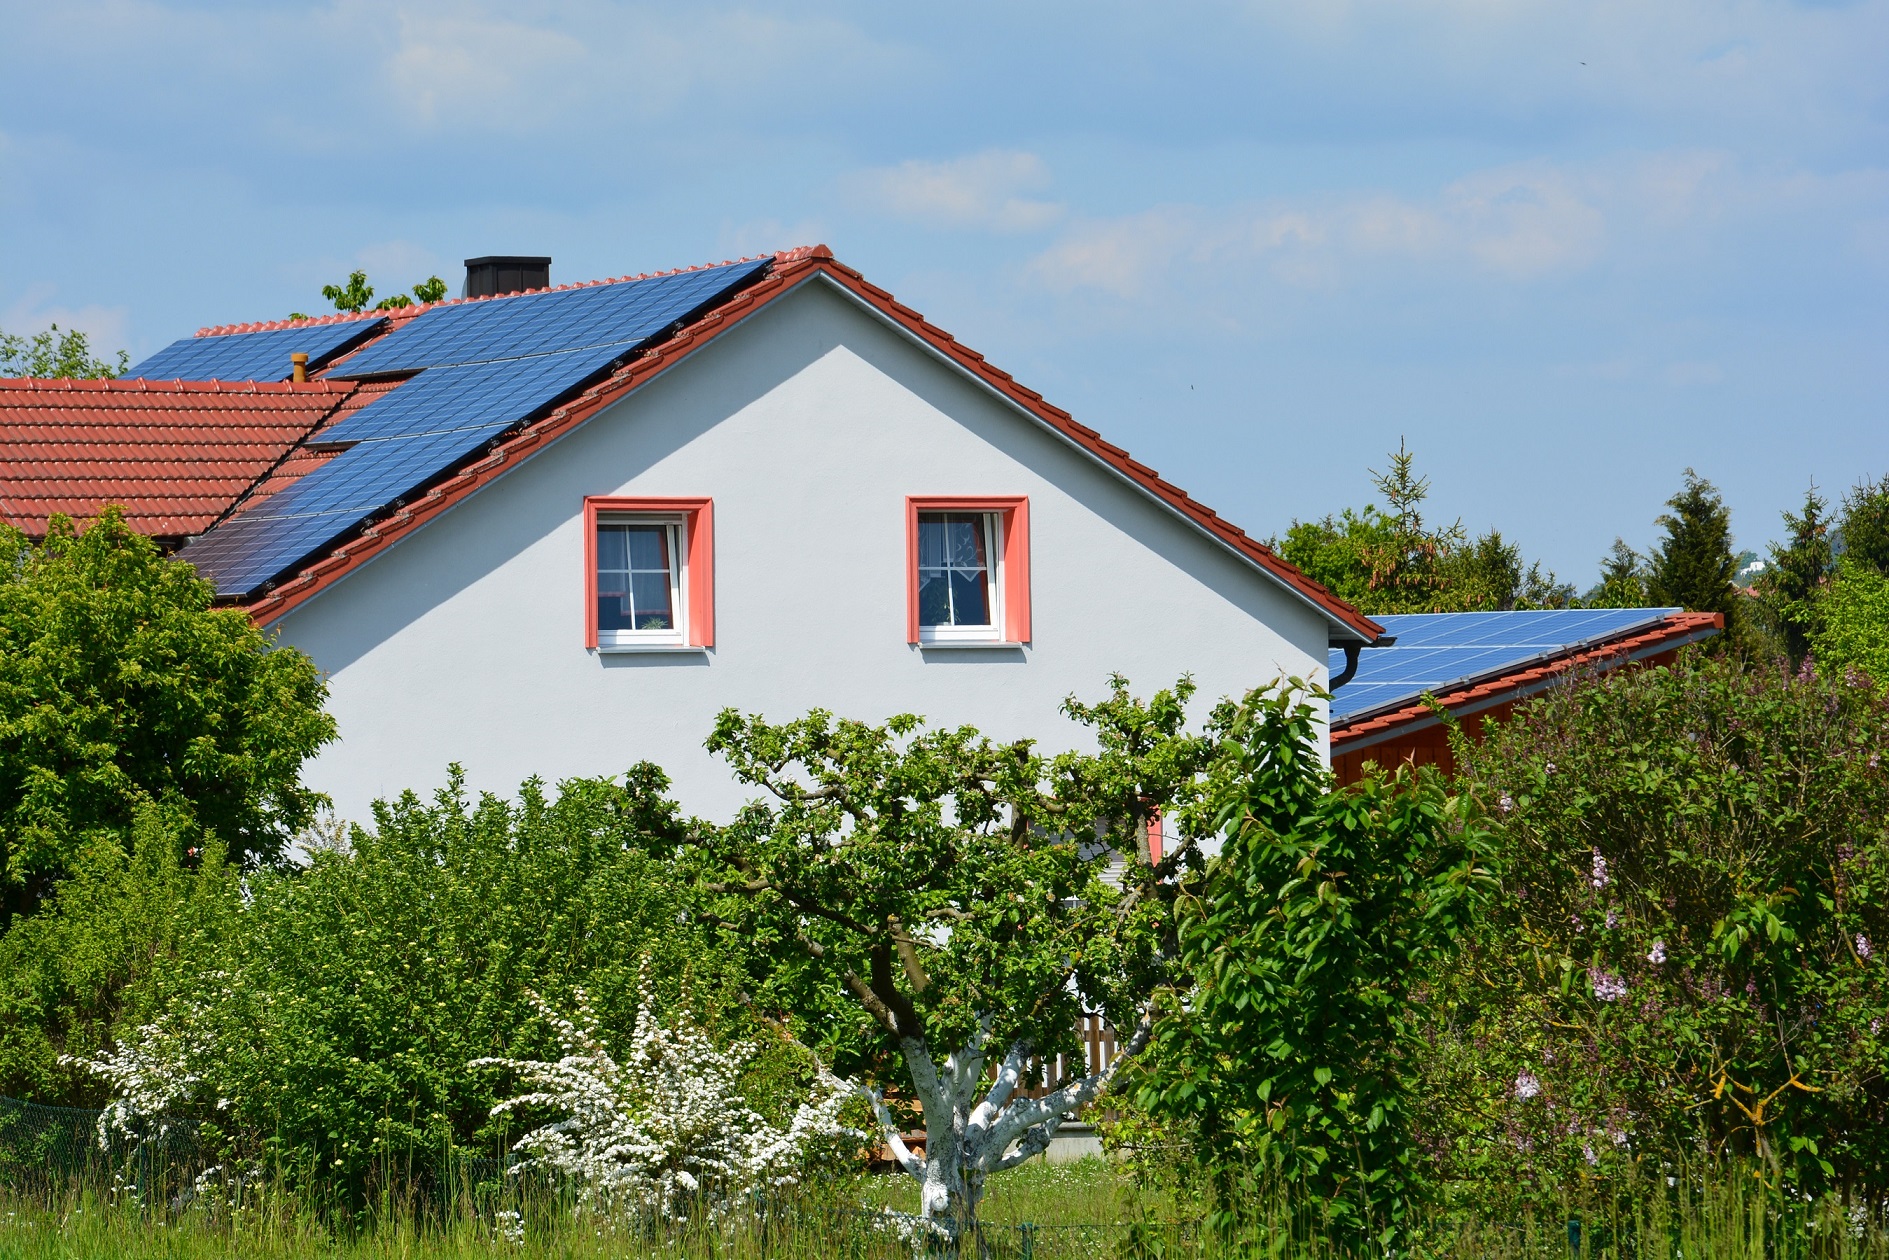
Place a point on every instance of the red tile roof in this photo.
(791, 269)
(1677, 630)
(174, 454)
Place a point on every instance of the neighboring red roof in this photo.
(1677, 630)
(792, 268)
(174, 454)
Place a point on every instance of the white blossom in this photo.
(1527, 1085)
(1863, 948)
(1657, 954)
(666, 1125)
(153, 1069)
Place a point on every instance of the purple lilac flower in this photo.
(1875, 1026)
(1505, 802)
(1607, 986)
(1613, 918)
(1657, 954)
(1599, 879)
(1863, 948)
(1527, 1085)
(1588, 1153)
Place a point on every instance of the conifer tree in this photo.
(1799, 569)
(1865, 526)
(1622, 580)
(1692, 566)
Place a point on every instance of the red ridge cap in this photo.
(1606, 655)
(790, 268)
(139, 385)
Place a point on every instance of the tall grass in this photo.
(1040, 1212)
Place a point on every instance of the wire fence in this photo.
(42, 1146)
(55, 1148)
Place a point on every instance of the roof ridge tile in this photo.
(414, 309)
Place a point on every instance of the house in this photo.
(1478, 667)
(554, 532)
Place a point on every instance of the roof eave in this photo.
(1360, 731)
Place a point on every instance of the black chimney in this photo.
(486, 277)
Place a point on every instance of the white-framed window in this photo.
(641, 581)
(960, 577)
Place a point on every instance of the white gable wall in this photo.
(808, 425)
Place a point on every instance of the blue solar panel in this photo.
(247, 550)
(1436, 652)
(253, 356)
(473, 395)
(622, 314)
(483, 367)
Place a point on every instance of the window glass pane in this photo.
(934, 599)
(613, 602)
(612, 547)
(650, 595)
(649, 547)
(969, 605)
(931, 542)
(966, 535)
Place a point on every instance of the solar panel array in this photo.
(540, 323)
(253, 356)
(484, 367)
(1438, 652)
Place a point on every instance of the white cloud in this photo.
(104, 326)
(1516, 224)
(980, 190)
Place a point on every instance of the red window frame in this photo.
(698, 548)
(1015, 511)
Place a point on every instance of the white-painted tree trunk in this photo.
(968, 1137)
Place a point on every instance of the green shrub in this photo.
(1853, 633)
(124, 935)
(1687, 955)
(1290, 1057)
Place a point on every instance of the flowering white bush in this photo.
(666, 1125)
(152, 1070)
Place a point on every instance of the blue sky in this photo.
(1564, 249)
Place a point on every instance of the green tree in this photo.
(121, 687)
(1864, 531)
(1291, 1055)
(1692, 566)
(1392, 561)
(1799, 570)
(1622, 582)
(53, 354)
(932, 913)
(352, 296)
(357, 293)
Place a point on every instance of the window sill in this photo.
(969, 645)
(613, 649)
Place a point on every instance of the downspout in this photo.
(1352, 650)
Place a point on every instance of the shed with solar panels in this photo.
(1476, 667)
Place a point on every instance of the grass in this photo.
(1078, 1211)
